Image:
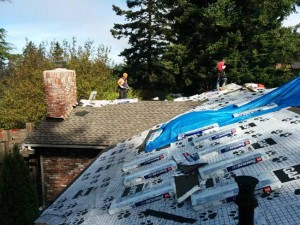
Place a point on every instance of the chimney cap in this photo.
(60, 63)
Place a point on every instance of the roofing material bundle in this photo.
(285, 95)
(274, 135)
(212, 197)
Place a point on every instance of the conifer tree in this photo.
(56, 51)
(4, 50)
(249, 34)
(147, 32)
(18, 199)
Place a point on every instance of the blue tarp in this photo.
(284, 96)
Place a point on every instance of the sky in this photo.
(48, 20)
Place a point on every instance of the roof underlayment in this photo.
(286, 95)
(128, 186)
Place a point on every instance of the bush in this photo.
(18, 199)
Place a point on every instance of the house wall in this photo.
(51, 169)
(60, 167)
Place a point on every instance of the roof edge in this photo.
(65, 146)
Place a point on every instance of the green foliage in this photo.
(195, 35)
(18, 200)
(92, 70)
(248, 34)
(4, 50)
(22, 97)
(56, 51)
(147, 30)
(169, 98)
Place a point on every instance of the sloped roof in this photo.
(99, 127)
(285, 95)
(125, 186)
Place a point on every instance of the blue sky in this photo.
(48, 20)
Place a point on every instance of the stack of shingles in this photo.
(60, 89)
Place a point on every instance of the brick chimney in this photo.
(61, 94)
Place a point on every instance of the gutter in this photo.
(42, 181)
(65, 146)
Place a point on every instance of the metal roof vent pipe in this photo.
(246, 199)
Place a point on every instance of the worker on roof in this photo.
(123, 86)
(221, 80)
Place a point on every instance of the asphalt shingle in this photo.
(103, 126)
